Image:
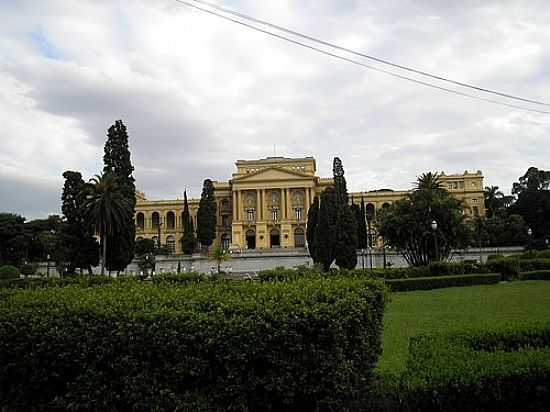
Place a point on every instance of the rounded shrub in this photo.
(9, 272)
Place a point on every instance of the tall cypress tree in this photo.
(324, 241)
(356, 210)
(117, 161)
(188, 242)
(78, 246)
(206, 215)
(345, 241)
(312, 218)
(362, 226)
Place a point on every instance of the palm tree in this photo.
(220, 255)
(106, 209)
(494, 199)
(429, 181)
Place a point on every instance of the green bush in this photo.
(495, 256)
(535, 275)
(206, 346)
(28, 269)
(527, 265)
(9, 272)
(179, 278)
(505, 370)
(34, 283)
(508, 267)
(280, 274)
(543, 254)
(436, 282)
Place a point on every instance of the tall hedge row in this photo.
(505, 370)
(437, 282)
(212, 346)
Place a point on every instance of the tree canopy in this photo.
(206, 215)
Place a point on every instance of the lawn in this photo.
(452, 309)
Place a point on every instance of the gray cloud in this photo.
(197, 93)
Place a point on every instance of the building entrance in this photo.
(275, 238)
(250, 239)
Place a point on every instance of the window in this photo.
(274, 214)
(170, 220)
(225, 221)
(140, 221)
(250, 215)
(298, 213)
(155, 219)
(171, 244)
(225, 241)
(476, 211)
(474, 200)
(299, 237)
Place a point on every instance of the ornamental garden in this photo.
(437, 335)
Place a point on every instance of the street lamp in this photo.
(48, 265)
(434, 229)
(530, 234)
(362, 257)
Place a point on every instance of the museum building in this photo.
(266, 202)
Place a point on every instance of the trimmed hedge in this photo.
(179, 278)
(426, 283)
(9, 272)
(34, 283)
(207, 346)
(535, 275)
(505, 370)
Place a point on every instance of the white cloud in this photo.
(197, 92)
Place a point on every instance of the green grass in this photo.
(453, 309)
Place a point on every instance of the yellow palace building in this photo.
(265, 204)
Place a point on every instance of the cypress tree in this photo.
(356, 210)
(345, 224)
(362, 226)
(324, 241)
(312, 218)
(78, 246)
(188, 242)
(117, 161)
(206, 215)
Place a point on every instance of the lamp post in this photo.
(48, 265)
(383, 252)
(434, 229)
(530, 234)
(363, 257)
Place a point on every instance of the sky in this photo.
(197, 92)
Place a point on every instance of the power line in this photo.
(433, 86)
(367, 56)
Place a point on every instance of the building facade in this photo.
(266, 202)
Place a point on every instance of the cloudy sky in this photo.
(197, 92)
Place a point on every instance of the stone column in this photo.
(283, 204)
(287, 204)
(262, 203)
(308, 203)
(234, 206)
(239, 205)
(259, 204)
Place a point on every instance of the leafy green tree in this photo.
(345, 246)
(33, 229)
(533, 202)
(79, 246)
(117, 161)
(11, 238)
(106, 209)
(312, 219)
(145, 254)
(206, 215)
(188, 242)
(494, 200)
(406, 225)
(498, 231)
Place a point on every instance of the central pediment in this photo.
(272, 174)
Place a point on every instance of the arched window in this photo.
(369, 211)
(299, 237)
(275, 238)
(155, 239)
(170, 221)
(140, 221)
(250, 239)
(171, 244)
(155, 219)
(225, 241)
(139, 238)
(385, 205)
(224, 204)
